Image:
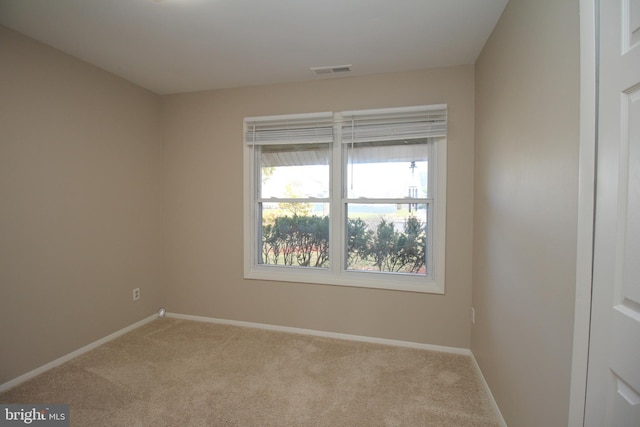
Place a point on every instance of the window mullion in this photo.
(256, 228)
(401, 201)
(337, 242)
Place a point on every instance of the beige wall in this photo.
(80, 219)
(527, 107)
(203, 210)
(80, 183)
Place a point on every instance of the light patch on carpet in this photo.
(179, 372)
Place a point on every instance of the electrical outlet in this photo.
(473, 316)
(136, 294)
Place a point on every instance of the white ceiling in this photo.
(171, 46)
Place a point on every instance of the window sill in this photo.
(374, 280)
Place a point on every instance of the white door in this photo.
(613, 380)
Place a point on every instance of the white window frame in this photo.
(336, 274)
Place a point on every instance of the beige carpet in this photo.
(182, 373)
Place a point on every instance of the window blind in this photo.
(289, 129)
(394, 124)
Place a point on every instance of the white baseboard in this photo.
(496, 409)
(313, 332)
(25, 377)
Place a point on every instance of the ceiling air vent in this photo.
(331, 70)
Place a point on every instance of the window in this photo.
(355, 198)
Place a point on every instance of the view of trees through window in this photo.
(302, 239)
(380, 236)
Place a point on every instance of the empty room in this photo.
(332, 213)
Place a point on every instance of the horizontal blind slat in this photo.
(293, 129)
(390, 125)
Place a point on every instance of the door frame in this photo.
(587, 168)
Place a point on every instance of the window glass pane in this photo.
(295, 234)
(294, 171)
(387, 237)
(388, 169)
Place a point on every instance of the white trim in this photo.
(396, 110)
(487, 390)
(586, 195)
(335, 275)
(438, 232)
(356, 279)
(324, 334)
(285, 117)
(31, 374)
